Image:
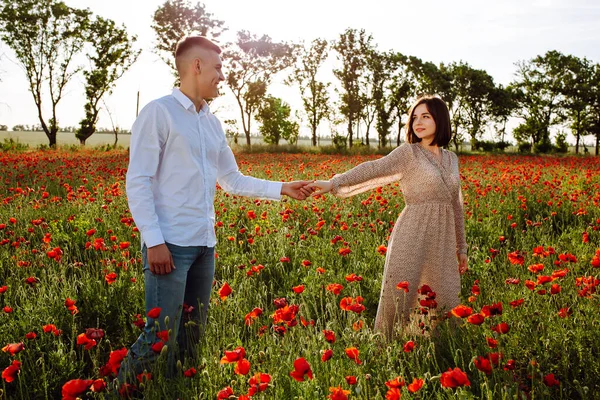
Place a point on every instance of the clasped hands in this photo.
(300, 190)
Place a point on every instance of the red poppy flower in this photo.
(190, 373)
(98, 386)
(157, 347)
(344, 251)
(301, 368)
(382, 249)
(75, 388)
(516, 258)
(334, 288)
(357, 326)
(242, 367)
(416, 385)
(516, 303)
(225, 291)
(154, 313)
(13, 348)
(233, 356)
(144, 377)
(327, 354)
(10, 373)
(351, 380)
(163, 335)
(338, 393)
(252, 315)
(353, 353)
(110, 278)
(565, 312)
(225, 393)
(476, 319)
(7, 309)
(83, 340)
(501, 328)
(329, 336)
(298, 289)
(353, 278)
(550, 380)
(3, 289)
(491, 342)
(403, 286)
(454, 378)
(409, 346)
(395, 383)
(30, 335)
(483, 364)
(492, 310)
(462, 311)
(393, 394)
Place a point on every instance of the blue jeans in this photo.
(189, 283)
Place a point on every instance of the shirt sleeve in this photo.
(372, 174)
(233, 181)
(148, 137)
(459, 215)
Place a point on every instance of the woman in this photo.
(427, 245)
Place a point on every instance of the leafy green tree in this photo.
(252, 61)
(594, 102)
(503, 105)
(392, 90)
(274, 115)
(315, 94)
(351, 48)
(577, 93)
(473, 90)
(540, 86)
(45, 35)
(110, 56)
(178, 18)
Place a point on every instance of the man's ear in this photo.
(198, 66)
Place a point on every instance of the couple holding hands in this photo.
(179, 152)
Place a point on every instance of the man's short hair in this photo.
(190, 41)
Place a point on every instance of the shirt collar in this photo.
(187, 103)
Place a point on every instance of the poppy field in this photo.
(297, 286)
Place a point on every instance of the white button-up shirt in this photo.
(177, 155)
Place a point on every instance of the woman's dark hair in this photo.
(439, 111)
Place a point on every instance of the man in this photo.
(178, 153)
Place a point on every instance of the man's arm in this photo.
(148, 136)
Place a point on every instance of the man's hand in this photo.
(462, 263)
(296, 190)
(160, 260)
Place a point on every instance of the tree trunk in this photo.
(399, 128)
(314, 130)
(350, 132)
(82, 142)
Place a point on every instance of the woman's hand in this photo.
(462, 263)
(319, 187)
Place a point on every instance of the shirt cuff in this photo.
(274, 190)
(153, 238)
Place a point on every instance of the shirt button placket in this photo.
(204, 176)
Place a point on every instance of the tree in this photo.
(594, 102)
(576, 92)
(473, 90)
(178, 18)
(252, 62)
(45, 36)
(391, 91)
(274, 115)
(111, 56)
(539, 92)
(503, 105)
(351, 48)
(315, 96)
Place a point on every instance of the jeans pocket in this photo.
(145, 265)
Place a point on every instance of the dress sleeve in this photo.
(372, 174)
(459, 215)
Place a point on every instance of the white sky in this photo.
(487, 35)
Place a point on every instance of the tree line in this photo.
(374, 87)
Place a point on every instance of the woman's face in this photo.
(423, 124)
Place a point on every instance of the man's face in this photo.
(209, 73)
